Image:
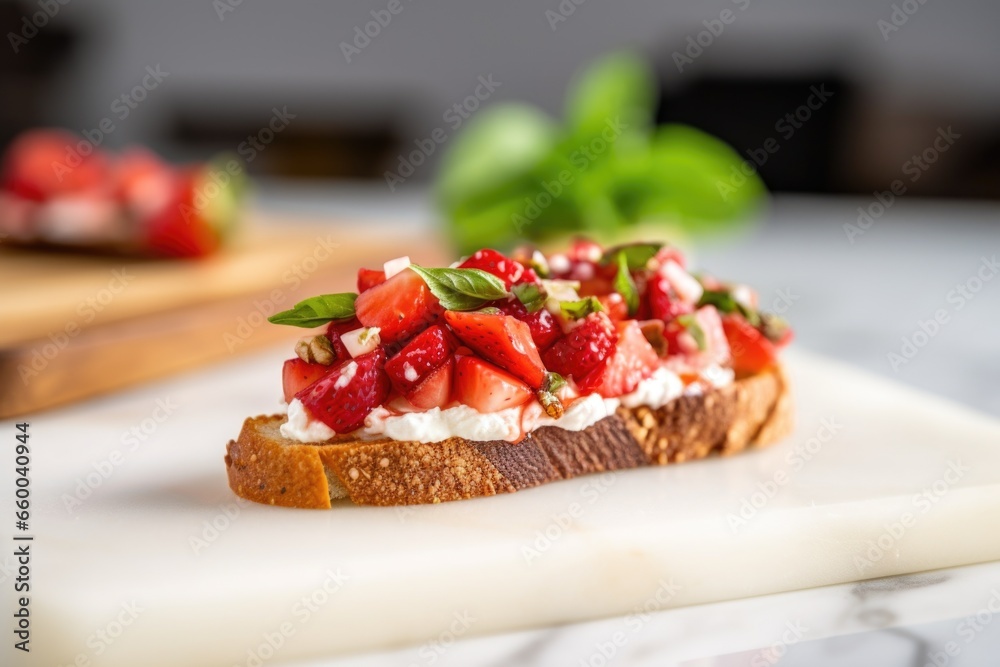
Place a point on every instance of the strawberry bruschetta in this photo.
(502, 373)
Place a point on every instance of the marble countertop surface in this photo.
(914, 297)
(867, 294)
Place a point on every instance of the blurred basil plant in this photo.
(606, 171)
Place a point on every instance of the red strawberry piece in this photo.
(296, 375)
(334, 330)
(751, 351)
(502, 340)
(669, 253)
(181, 228)
(42, 164)
(486, 388)
(596, 286)
(368, 278)
(633, 360)
(544, 327)
(344, 397)
(400, 307)
(529, 276)
(435, 390)
(615, 306)
(584, 250)
(586, 345)
(418, 358)
(664, 303)
(499, 265)
(142, 180)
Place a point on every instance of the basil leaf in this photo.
(625, 286)
(532, 296)
(462, 289)
(691, 325)
(317, 311)
(721, 299)
(636, 254)
(724, 302)
(579, 309)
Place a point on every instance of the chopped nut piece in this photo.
(315, 350)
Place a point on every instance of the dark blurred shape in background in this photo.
(821, 97)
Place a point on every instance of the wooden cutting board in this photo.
(79, 325)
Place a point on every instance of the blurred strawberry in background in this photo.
(58, 190)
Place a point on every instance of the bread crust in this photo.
(265, 467)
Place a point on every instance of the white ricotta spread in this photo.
(464, 422)
(302, 427)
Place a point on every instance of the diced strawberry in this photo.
(435, 390)
(493, 262)
(751, 351)
(486, 388)
(41, 164)
(296, 375)
(614, 304)
(584, 250)
(633, 361)
(529, 276)
(585, 346)
(683, 335)
(544, 327)
(368, 278)
(422, 355)
(501, 339)
(401, 307)
(669, 253)
(142, 180)
(664, 303)
(181, 228)
(597, 286)
(335, 329)
(344, 397)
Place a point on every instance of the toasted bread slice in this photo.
(266, 467)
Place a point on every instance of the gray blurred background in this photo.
(896, 72)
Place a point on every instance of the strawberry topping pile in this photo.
(501, 331)
(57, 188)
